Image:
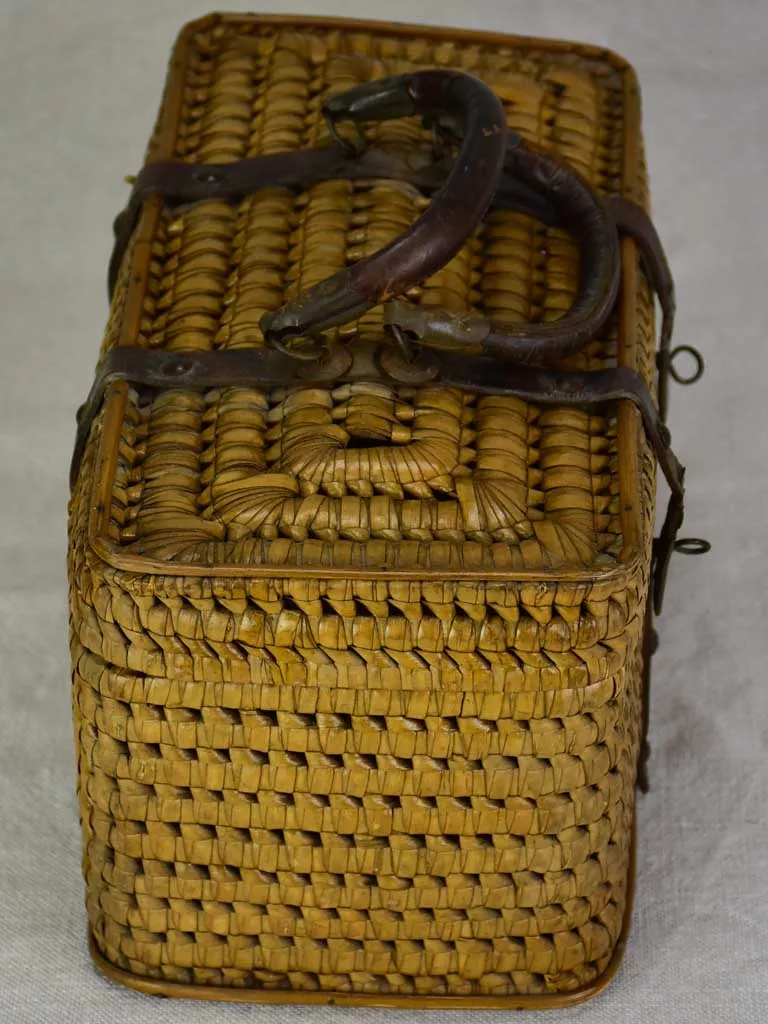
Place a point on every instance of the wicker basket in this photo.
(358, 668)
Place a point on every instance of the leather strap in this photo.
(265, 368)
(464, 189)
(455, 211)
(181, 183)
(463, 108)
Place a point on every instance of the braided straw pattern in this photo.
(358, 784)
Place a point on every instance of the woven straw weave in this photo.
(357, 672)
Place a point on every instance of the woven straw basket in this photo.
(358, 665)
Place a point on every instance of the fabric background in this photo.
(80, 81)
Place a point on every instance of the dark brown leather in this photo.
(264, 368)
(632, 220)
(457, 207)
(463, 108)
(181, 183)
(581, 211)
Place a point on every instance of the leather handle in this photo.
(568, 200)
(438, 234)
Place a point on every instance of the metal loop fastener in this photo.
(404, 343)
(355, 146)
(692, 546)
(297, 348)
(698, 370)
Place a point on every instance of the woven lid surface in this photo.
(365, 476)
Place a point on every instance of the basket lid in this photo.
(364, 477)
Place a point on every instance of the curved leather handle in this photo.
(437, 235)
(590, 220)
(179, 182)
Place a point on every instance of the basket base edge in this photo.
(546, 1001)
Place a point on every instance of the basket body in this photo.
(357, 670)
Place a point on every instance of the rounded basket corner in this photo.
(550, 1001)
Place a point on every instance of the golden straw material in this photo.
(357, 668)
